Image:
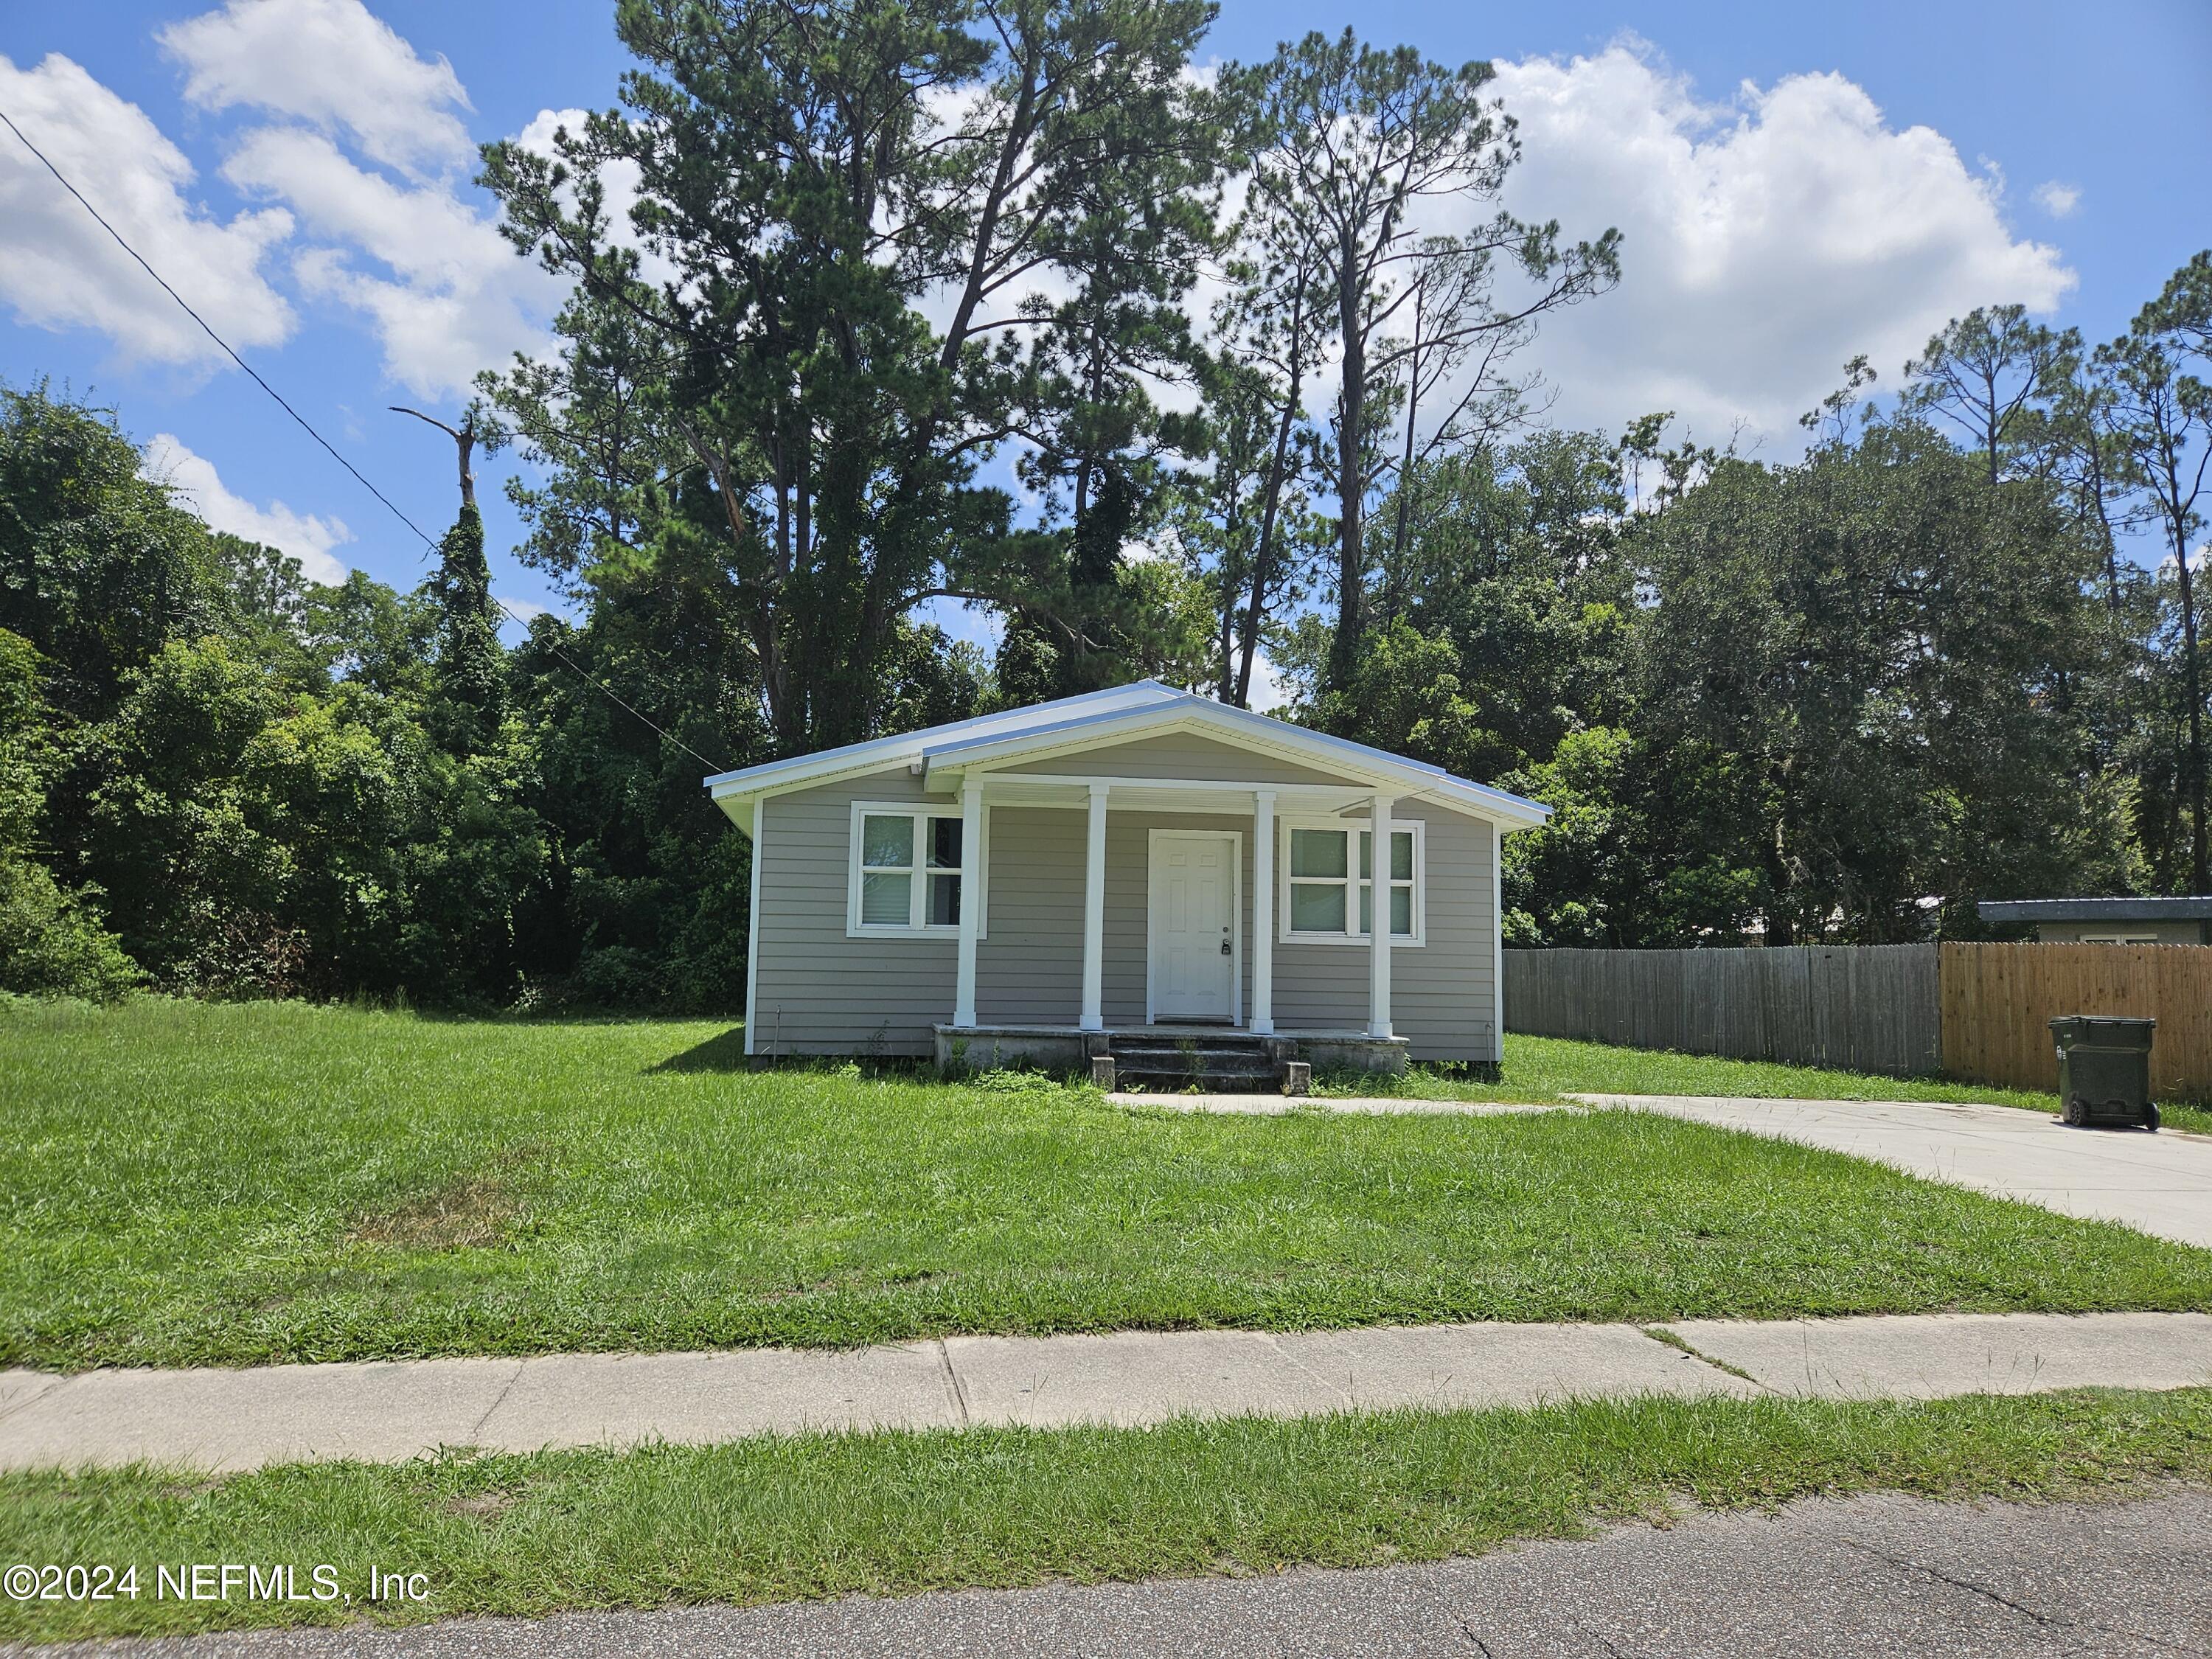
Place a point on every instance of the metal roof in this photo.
(2197, 907)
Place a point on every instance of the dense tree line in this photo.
(878, 305)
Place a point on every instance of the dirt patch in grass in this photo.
(471, 1212)
(484, 1506)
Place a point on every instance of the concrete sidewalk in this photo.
(2160, 1183)
(226, 1420)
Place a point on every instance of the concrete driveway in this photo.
(2157, 1183)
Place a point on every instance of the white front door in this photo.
(1192, 921)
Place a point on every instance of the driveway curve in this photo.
(2157, 1183)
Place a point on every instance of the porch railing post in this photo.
(1263, 911)
(1094, 915)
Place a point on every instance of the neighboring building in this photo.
(1138, 858)
(2108, 920)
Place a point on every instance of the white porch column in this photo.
(1094, 915)
(1498, 940)
(1378, 933)
(1263, 911)
(971, 895)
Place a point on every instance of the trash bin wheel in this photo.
(2070, 1114)
(2150, 1119)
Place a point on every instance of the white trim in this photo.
(1353, 934)
(1263, 919)
(1236, 838)
(918, 893)
(1324, 795)
(1497, 941)
(1119, 725)
(1092, 1015)
(1120, 714)
(1239, 728)
(1379, 886)
(752, 926)
(971, 835)
(885, 751)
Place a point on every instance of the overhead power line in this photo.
(308, 427)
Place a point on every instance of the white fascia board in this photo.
(879, 753)
(1242, 729)
(1501, 806)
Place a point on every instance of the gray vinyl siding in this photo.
(818, 992)
(822, 992)
(1441, 991)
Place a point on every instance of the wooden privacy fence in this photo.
(1977, 1011)
(1862, 1008)
(1998, 1001)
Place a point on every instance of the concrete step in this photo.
(1208, 1053)
(1208, 1069)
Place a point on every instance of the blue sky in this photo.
(1796, 184)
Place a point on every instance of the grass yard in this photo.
(191, 1183)
(819, 1516)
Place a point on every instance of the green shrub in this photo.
(51, 940)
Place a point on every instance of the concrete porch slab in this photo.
(1067, 1048)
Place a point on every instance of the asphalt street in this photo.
(1878, 1574)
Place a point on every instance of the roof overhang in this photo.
(946, 756)
(735, 791)
(2195, 908)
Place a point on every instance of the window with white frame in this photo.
(909, 871)
(1328, 881)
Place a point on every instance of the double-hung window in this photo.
(1329, 881)
(909, 871)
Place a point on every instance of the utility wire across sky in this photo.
(306, 426)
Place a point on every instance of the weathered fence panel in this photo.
(1998, 1001)
(1862, 1008)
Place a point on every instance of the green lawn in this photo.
(195, 1183)
(885, 1514)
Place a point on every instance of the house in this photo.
(1146, 868)
(2108, 920)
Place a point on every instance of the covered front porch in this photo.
(1212, 906)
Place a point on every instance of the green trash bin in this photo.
(2103, 1072)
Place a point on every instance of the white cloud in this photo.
(452, 298)
(330, 62)
(2057, 199)
(525, 611)
(193, 480)
(621, 180)
(1270, 690)
(1764, 243)
(59, 270)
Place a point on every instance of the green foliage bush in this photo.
(52, 942)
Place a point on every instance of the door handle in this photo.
(1225, 948)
